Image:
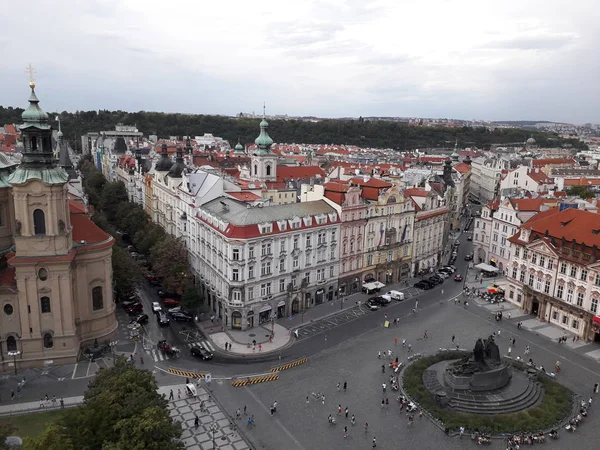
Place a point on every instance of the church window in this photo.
(8, 309)
(48, 341)
(43, 274)
(33, 143)
(45, 304)
(255, 169)
(39, 222)
(268, 170)
(97, 298)
(11, 344)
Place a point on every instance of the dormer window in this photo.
(266, 228)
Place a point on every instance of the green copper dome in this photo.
(264, 141)
(34, 115)
(239, 147)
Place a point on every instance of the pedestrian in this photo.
(346, 412)
(260, 347)
(171, 395)
(275, 406)
(322, 398)
(339, 410)
(238, 414)
(420, 414)
(178, 393)
(379, 354)
(42, 402)
(54, 400)
(425, 335)
(513, 341)
(382, 403)
(62, 403)
(590, 402)
(245, 407)
(383, 386)
(461, 431)
(353, 420)
(403, 342)
(453, 337)
(395, 341)
(573, 338)
(383, 368)
(346, 431)
(307, 399)
(596, 388)
(196, 422)
(387, 402)
(366, 426)
(12, 394)
(374, 442)
(142, 359)
(409, 348)
(18, 391)
(345, 386)
(253, 347)
(509, 350)
(498, 332)
(389, 353)
(272, 410)
(527, 350)
(338, 387)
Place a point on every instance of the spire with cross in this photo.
(31, 71)
(264, 110)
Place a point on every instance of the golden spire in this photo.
(30, 70)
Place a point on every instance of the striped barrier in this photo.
(254, 380)
(289, 365)
(183, 373)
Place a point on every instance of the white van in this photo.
(395, 295)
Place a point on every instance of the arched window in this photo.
(39, 222)
(11, 344)
(33, 143)
(48, 341)
(45, 304)
(255, 169)
(97, 298)
(268, 170)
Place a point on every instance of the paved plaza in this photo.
(215, 430)
(299, 424)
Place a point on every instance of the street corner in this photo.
(87, 368)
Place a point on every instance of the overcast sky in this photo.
(483, 59)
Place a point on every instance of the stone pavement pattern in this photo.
(225, 435)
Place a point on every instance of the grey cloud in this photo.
(548, 42)
(347, 48)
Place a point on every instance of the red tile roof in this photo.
(86, 230)
(552, 162)
(583, 182)
(416, 192)
(531, 204)
(10, 129)
(572, 224)
(244, 196)
(540, 177)
(285, 173)
(371, 182)
(493, 205)
(462, 168)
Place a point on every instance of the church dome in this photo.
(264, 141)
(34, 113)
(164, 164)
(177, 169)
(531, 141)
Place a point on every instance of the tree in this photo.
(583, 192)
(113, 194)
(191, 298)
(147, 238)
(122, 410)
(131, 218)
(126, 273)
(170, 262)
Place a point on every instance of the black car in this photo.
(423, 285)
(201, 353)
(165, 294)
(134, 309)
(469, 257)
(181, 316)
(162, 319)
(436, 279)
(141, 319)
(129, 303)
(378, 301)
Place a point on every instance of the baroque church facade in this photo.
(56, 292)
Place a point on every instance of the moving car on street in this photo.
(458, 277)
(182, 317)
(156, 307)
(201, 352)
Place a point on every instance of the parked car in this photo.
(423, 285)
(155, 283)
(395, 295)
(372, 305)
(470, 238)
(458, 277)
(176, 309)
(134, 309)
(182, 317)
(161, 293)
(443, 274)
(436, 279)
(380, 300)
(452, 269)
(162, 319)
(170, 301)
(201, 352)
(156, 307)
(141, 319)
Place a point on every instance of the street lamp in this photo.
(341, 298)
(14, 354)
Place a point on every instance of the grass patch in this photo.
(555, 406)
(31, 425)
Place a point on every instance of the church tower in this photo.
(263, 164)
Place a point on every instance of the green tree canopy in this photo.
(122, 411)
(126, 274)
(191, 298)
(131, 218)
(583, 192)
(113, 194)
(169, 260)
(146, 238)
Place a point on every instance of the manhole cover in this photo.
(251, 335)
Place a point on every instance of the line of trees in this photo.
(128, 222)
(122, 410)
(366, 133)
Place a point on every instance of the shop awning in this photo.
(486, 267)
(596, 319)
(265, 308)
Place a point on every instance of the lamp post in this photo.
(14, 354)
(341, 298)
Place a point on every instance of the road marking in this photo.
(74, 371)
